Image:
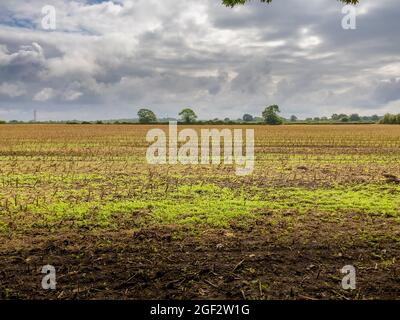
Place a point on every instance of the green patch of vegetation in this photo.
(211, 205)
(375, 199)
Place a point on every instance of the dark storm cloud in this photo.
(388, 91)
(251, 77)
(24, 64)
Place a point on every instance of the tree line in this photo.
(270, 116)
(391, 119)
(187, 115)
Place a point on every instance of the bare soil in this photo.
(263, 261)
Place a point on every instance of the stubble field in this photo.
(83, 199)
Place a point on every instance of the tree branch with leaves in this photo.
(232, 3)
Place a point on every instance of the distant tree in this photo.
(248, 118)
(146, 116)
(227, 120)
(317, 119)
(232, 3)
(375, 118)
(324, 119)
(355, 117)
(344, 118)
(270, 115)
(391, 119)
(309, 119)
(293, 118)
(188, 115)
(335, 117)
(386, 118)
(339, 117)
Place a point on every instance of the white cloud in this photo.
(12, 90)
(71, 95)
(44, 95)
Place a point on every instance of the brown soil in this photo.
(264, 261)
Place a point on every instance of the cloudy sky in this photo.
(107, 59)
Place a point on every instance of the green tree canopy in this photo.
(146, 116)
(270, 115)
(248, 118)
(375, 117)
(391, 119)
(345, 118)
(232, 3)
(188, 115)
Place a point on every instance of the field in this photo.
(83, 198)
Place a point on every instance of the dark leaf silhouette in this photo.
(232, 3)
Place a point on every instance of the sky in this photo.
(108, 59)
